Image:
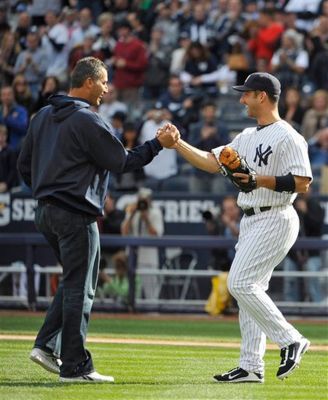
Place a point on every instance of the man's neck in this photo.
(268, 117)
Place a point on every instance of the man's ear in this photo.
(88, 83)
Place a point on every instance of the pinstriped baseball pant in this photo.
(264, 240)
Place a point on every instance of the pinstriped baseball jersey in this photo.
(276, 149)
(265, 238)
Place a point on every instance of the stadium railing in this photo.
(33, 240)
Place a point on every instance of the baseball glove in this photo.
(230, 162)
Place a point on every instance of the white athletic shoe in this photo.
(47, 360)
(239, 375)
(92, 377)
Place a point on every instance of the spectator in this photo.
(119, 9)
(84, 50)
(166, 164)
(117, 286)
(144, 219)
(179, 54)
(22, 28)
(138, 28)
(316, 117)
(110, 224)
(54, 39)
(4, 24)
(219, 10)
(110, 105)
(8, 174)
(129, 63)
(168, 25)
(177, 102)
(238, 58)
(291, 109)
(96, 7)
(13, 116)
(105, 42)
(22, 93)
(117, 121)
(200, 28)
(265, 39)
(37, 10)
(312, 216)
(201, 73)
(318, 148)
(157, 72)
(319, 53)
(70, 20)
(130, 181)
(32, 62)
(50, 86)
(229, 24)
(85, 28)
(290, 61)
(224, 222)
(207, 134)
(9, 50)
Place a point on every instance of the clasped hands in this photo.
(168, 136)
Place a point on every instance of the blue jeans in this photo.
(75, 240)
(313, 286)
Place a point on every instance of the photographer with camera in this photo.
(223, 221)
(144, 219)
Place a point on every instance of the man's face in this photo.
(175, 87)
(7, 96)
(251, 101)
(99, 88)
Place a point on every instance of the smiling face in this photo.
(251, 101)
(98, 88)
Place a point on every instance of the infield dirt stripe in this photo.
(162, 342)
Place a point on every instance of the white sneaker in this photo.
(48, 361)
(238, 375)
(92, 377)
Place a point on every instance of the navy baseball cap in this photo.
(260, 81)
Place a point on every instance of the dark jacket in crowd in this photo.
(8, 172)
(69, 151)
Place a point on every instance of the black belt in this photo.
(251, 211)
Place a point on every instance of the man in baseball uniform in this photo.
(278, 158)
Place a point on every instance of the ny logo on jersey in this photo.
(262, 156)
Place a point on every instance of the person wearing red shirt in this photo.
(263, 43)
(129, 63)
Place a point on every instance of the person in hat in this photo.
(278, 156)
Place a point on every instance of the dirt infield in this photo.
(159, 342)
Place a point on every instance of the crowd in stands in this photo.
(168, 61)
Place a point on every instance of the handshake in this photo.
(168, 136)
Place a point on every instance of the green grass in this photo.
(207, 329)
(158, 372)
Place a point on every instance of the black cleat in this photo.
(291, 357)
(239, 375)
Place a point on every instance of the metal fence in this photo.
(32, 241)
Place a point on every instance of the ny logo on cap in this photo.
(262, 156)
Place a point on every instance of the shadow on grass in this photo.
(61, 384)
(30, 384)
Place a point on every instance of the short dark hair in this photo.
(273, 98)
(88, 67)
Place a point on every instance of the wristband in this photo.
(285, 183)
